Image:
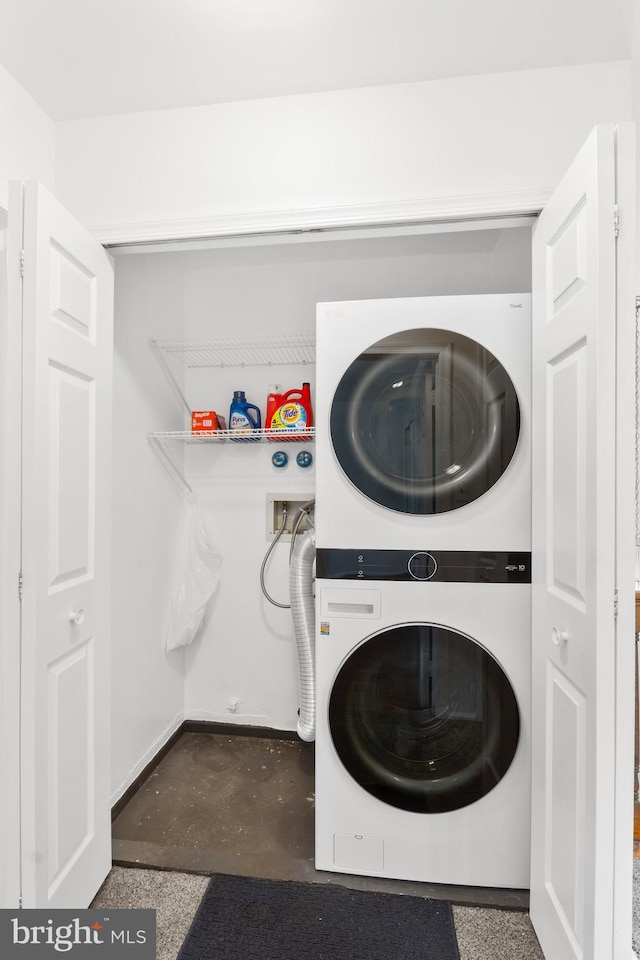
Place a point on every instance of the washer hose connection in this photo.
(303, 511)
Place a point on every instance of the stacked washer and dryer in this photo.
(423, 589)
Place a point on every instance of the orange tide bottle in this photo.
(293, 415)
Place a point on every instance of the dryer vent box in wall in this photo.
(291, 502)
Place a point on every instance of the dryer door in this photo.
(425, 421)
(423, 718)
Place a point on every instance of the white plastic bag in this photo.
(197, 573)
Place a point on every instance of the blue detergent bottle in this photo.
(241, 418)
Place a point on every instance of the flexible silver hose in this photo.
(303, 612)
(283, 606)
(301, 560)
(302, 512)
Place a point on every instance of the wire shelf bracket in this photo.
(167, 461)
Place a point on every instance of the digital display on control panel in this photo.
(420, 565)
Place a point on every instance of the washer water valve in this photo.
(288, 503)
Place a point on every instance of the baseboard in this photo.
(228, 719)
(145, 765)
(237, 729)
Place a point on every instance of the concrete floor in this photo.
(244, 804)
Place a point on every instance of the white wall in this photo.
(27, 137)
(147, 685)
(247, 649)
(504, 133)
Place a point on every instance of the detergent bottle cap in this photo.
(238, 395)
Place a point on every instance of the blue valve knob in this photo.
(279, 459)
(304, 459)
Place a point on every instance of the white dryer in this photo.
(423, 423)
(423, 715)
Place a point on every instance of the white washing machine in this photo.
(423, 604)
(423, 715)
(423, 423)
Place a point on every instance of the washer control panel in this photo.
(422, 566)
(435, 566)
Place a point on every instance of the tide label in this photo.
(290, 416)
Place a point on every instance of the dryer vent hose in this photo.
(303, 612)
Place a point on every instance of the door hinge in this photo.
(616, 221)
(615, 604)
(22, 263)
(20, 581)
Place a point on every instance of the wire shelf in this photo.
(219, 436)
(241, 351)
(227, 352)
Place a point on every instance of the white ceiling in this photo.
(85, 58)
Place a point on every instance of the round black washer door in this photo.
(425, 421)
(424, 718)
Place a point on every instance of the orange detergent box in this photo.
(202, 420)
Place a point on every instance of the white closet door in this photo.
(582, 660)
(10, 445)
(67, 372)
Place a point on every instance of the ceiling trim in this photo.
(302, 220)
